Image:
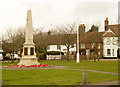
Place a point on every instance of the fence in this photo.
(53, 57)
(85, 57)
(71, 57)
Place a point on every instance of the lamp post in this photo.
(77, 45)
(60, 43)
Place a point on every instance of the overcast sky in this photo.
(49, 13)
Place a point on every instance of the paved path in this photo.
(21, 68)
(96, 71)
(109, 59)
(54, 67)
(107, 83)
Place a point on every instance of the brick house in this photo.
(90, 42)
(101, 43)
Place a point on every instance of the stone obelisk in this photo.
(28, 54)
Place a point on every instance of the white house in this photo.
(111, 46)
(110, 43)
(62, 48)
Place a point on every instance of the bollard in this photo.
(84, 79)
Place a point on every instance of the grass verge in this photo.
(52, 77)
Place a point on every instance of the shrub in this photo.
(42, 56)
(4, 54)
(6, 58)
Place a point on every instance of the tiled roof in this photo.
(115, 29)
(61, 39)
(91, 37)
(109, 34)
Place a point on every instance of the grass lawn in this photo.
(60, 76)
(107, 66)
(51, 77)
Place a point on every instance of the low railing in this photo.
(53, 57)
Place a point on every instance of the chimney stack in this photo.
(81, 30)
(106, 24)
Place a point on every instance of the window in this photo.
(108, 41)
(48, 47)
(98, 45)
(72, 53)
(31, 51)
(98, 53)
(87, 52)
(113, 52)
(72, 46)
(58, 47)
(82, 45)
(83, 52)
(108, 52)
(25, 51)
(92, 52)
(114, 41)
(93, 45)
(64, 49)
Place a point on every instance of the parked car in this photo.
(15, 56)
(1, 56)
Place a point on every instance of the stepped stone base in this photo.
(28, 61)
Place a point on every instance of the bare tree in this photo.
(40, 40)
(14, 41)
(68, 36)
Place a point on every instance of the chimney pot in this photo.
(107, 19)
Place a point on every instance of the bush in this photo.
(4, 54)
(42, 56)
(6, 58)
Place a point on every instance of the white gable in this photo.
(108, 31)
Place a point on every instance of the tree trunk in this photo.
(94, 58)
(68, 53)
(13, 57)
(98, 58)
